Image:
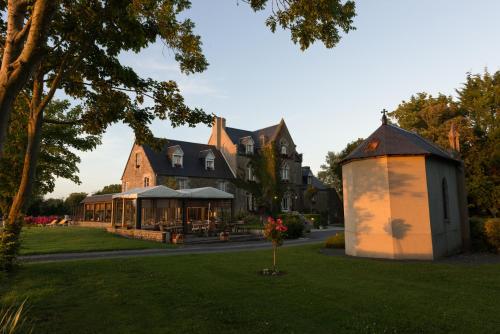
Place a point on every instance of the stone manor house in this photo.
(184, 165)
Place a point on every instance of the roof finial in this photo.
(384, 117)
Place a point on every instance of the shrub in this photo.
(252, 220)
(479, 242)
(315, 219)
(336, 241)
(492, 232)
(294, 224)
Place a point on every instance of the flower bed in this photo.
(39, 220)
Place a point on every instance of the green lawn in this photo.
(44, 240)
(222, 293)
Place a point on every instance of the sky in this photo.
(327, 97)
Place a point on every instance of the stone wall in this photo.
(157, 236)
(91, 224)
(133, 176)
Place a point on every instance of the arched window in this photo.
(285, 172)
(444, 193)
(283, 147)
(286, 202)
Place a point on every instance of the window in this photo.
(250, 202)
(182, 183)
(285, 202)
(209, 164)
(309, 179)
(444, 186)
(222, 185)
(177, 160)
(285, 171)
(126, 186)
(250, 174)
(249, 148)
(283, 147)
(146, 181)
(138, 160)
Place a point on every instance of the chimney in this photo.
(454, 138)
(220, 124)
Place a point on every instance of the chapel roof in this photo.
(391, 140)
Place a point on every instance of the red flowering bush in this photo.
(39, 220)
(274, 231)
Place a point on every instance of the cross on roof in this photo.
(384, 117)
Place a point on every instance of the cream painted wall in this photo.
(386, 208)
(409, 220)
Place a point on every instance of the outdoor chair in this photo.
(63, 222)
(52, 223)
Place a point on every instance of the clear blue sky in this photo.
(327, 97)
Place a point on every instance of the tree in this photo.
(475, 115)
(74, 45)
(110, 189)
(72, 202)
(30, 30)
(331, 172)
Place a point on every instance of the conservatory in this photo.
(165, 209)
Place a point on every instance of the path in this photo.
(314, 237)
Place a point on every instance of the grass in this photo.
(222, 293)
(46, 240)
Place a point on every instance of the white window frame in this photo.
(182, 183)
(222, 185)
(249, 148)
(209, 164)
(285, 172)
(250, 173)
(285, 203)
(177, 160)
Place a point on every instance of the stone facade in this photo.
(232, 156)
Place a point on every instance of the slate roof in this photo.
(390, 140)
(97, 198)
(193, 164)
(237, 134)
(316, 183)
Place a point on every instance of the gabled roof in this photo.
(316, 183)
(165, 192)
(206, 192)
(390, 140)
(149, 192)
(236, 134)
(192, 165)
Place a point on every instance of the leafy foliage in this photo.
(309, 21)
(110, 189)
(267, 187)
(331, 171)
(476, 116)
(57, 153)
(492, 231)
(336, 241)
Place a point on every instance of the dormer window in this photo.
(208, 159)
(248, 143)
(309, 179)
(177, 160)
(249, 148)
(285, 172)
(209, 164)
(176, 155)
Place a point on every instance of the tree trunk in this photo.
(274, 257)
(10, 237)
(24, 44)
